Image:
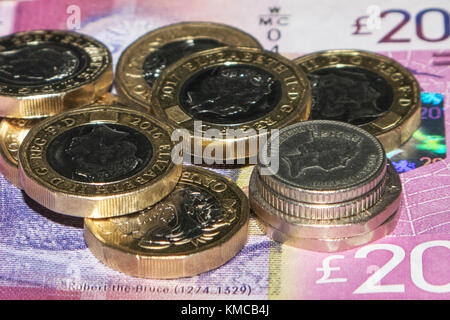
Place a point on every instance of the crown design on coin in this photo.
(323, 153)
(189, 216)
(344, 93)
(230, 92)
(37, 64)
(103, 154)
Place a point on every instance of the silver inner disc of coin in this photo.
(328, 155)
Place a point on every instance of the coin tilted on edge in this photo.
(198, 227)
(365, 89)
(145, 59)
(45, 72)
(12, 133)
(242, 89)
(334, 188)
(101, 161)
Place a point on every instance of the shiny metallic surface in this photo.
(325, 210)
(365, 89)
(360, 223)
(134, 80)
(12, 133)
(332, 244)
(99, 161)
(198, 227)
(327, 169)
(245, 90)
(47, 71)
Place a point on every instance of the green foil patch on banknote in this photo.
(428, 143)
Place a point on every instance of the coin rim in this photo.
(101, 204)
(155, 39)
(9, 168)
(391, 136)
(181, 264)
(29, 106)
(276, 118)
(332, 244)
(333, 228)
(297, 192)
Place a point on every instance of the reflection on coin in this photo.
(328, 167)
(100, 161)
(241, 90)
(12, 133)
(201, 225)
(145, 59)
(45, 72)
(365, 89)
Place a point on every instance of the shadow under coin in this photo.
(70, 221)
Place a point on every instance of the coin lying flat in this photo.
(145, 59)
(242, 90)
(365, 89)
(329, 169)
(12, 133)
(100, 161)
(45, 72)
(201, 225)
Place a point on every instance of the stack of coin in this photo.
(332, 189)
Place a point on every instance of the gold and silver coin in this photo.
(99, 161)
(241, 90)
(145, 59)
(365, 89)
(201, 225)
(12, 133)
(333, 187)
(45, 72)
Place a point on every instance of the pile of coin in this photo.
(77, 149)
(333, 188)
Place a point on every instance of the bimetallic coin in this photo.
(45, 72)
(365, 89)
(360, 223)
(145, 59)
(12, 133)
(201, 225)
(99, 161)
(328, 168)
(241, 90)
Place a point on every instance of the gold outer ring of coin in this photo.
(122, 243)
(330, 244)
(130, 82)
(360, 223)
(82, 88)
(12, 133)
(294, 104)
(403, 116)
(65, 195)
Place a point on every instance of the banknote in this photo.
(43, 254)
